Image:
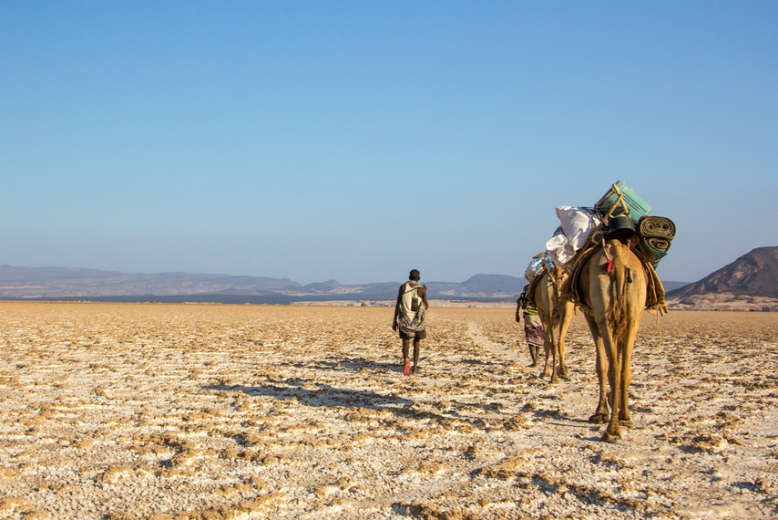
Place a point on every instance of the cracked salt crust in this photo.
(132, 411)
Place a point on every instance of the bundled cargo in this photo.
(659, 227)
(622, 200)
(576, 226)
(656, 236)
(537, 265)
(621, 213)
(619, 205)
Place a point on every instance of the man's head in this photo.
(415, 275)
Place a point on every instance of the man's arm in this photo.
(397, 307)
(423, 294)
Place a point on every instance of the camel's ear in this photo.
(633, 241)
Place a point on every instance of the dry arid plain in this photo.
(209, 412)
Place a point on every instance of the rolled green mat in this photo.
(656, 227)
(654, 255)
(659, 244)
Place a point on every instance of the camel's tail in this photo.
(617, 311)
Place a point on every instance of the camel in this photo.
(612, 285)
(554, 312)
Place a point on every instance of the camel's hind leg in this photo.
(610, 344)
(626, 374)
(601, 414)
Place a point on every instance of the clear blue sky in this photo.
(357, 140)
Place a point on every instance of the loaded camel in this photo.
(554, 313)
(612, 286)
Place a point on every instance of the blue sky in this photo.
(357, 140)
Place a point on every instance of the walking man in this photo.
(409, 313)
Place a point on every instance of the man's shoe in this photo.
(407, 368)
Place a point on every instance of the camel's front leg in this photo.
(568, 309)
(601, 414)
(554, 356)
(546, 368)
(547, 348)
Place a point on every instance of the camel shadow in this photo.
(328, 396)
(324, 395)
(480, 362)
(360, 364)
(356, 364)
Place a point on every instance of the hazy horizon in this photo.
(398, 280)
(356, 141)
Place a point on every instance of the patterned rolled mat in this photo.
(656, 227)
(659, 244)
(654, 249)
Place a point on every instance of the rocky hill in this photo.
(748, 283)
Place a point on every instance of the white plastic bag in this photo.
(577, 224)
(559, 249)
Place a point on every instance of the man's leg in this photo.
(406, 347)
(533, 352)
(416, 348)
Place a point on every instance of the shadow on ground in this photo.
(324, 396)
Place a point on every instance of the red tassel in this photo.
(608, 266)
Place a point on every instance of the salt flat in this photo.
(124, 411)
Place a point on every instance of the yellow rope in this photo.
(619, 200)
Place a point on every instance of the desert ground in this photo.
(209, 412)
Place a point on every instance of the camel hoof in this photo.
(610, 437)
(599, 418)
(611, 433)
(625, 422)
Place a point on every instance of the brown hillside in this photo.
(754, 274)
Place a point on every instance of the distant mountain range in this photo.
(73, 283)
(62, 283)
(748, 283)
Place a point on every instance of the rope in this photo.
(619, 200)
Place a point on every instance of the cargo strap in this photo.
(655, 294)
(619, 200)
